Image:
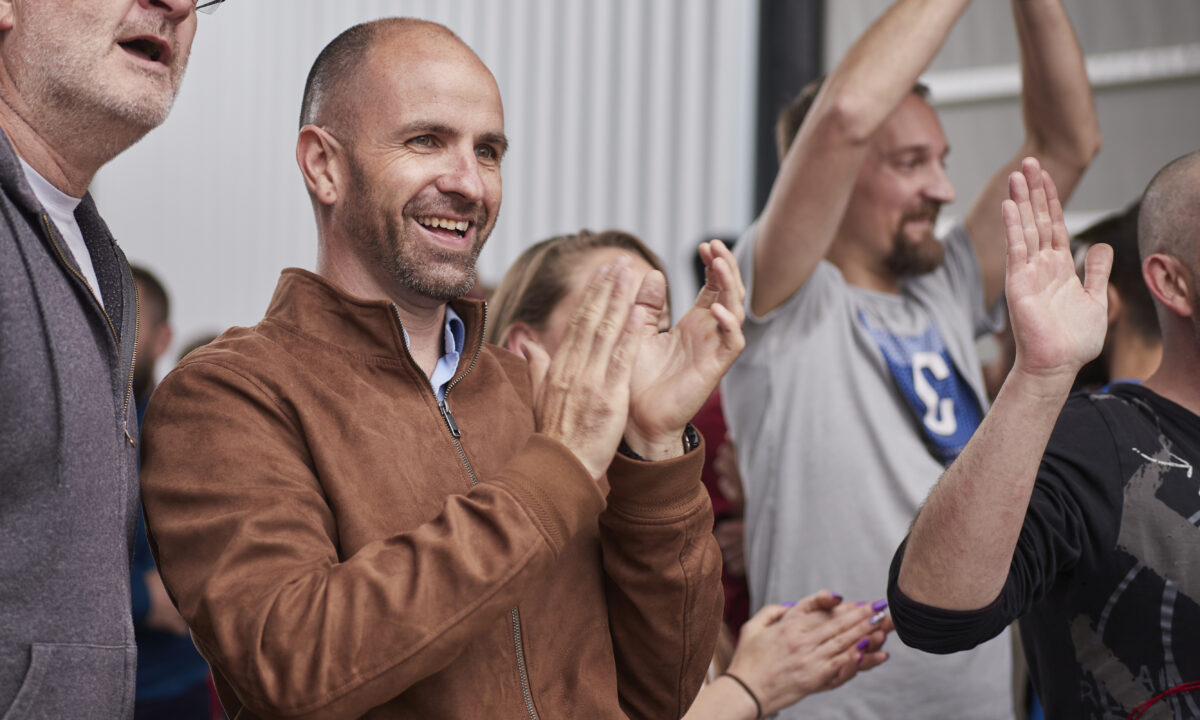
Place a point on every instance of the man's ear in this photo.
(317, 154)
(1115, 305)
(7, 20)
(518, 332)
(162, 340)
(1170, 282)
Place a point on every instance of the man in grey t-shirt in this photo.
(860, 380)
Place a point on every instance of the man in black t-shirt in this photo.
(1094, 544)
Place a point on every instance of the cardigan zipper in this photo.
(456, 435)
(112, 328)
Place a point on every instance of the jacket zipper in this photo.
(456, 435)
(112, 328)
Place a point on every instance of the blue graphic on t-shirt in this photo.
(944, 404)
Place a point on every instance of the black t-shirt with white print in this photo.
(1105, 578)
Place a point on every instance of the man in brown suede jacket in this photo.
(362, 510)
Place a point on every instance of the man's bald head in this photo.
(1169, 221)
(334, 77)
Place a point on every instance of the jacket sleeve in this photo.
(246, 543)
(663, 582)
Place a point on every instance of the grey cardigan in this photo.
(68, 465)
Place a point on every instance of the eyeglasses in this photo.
(207, 6)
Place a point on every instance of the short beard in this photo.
(75, 87)
(85, 102)
(433, 273)
(911, 259)
(419, 274)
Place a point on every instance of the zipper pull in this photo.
(449, 418)
(132, 442)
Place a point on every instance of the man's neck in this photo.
(862, 276)
(1176, 379)
(426, 334)
(423, 319)
(42, 157)
(859, 268)
(1131, 357)
(66, 148)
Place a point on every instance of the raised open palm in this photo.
(1058, 322)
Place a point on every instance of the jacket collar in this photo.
(317, 307)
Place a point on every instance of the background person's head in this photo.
(402, 134)
(1133, 343)
(91, 78)
(542, 287)
(154, 328)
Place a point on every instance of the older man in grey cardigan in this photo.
(79, 83)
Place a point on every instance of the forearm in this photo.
(1061, 126)
(722, 699)
(961, 544)
(882, 66)
(662, 568)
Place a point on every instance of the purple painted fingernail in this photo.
(835, 596)
(878, 617)
(878, 605)
(862, 644)
(788, 604)
(860, 603)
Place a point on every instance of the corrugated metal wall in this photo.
(634, 114)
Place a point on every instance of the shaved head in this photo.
(334, 79)
(1169, 221)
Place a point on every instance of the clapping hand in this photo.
(676, 371)
(581, 396)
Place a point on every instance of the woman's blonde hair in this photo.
(537, 280)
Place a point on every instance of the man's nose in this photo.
(462, 175)
(939, 187)
(174, 9)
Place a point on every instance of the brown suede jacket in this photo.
(338, 552)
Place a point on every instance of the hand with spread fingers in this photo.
(581, 396)
(676, 371)
(1058, 322)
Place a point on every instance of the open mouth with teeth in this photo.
(145, 48)
(458, 227)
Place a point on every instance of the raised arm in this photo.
(962, 542)
(1061, 128)
(817, 175)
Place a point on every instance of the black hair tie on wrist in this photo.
(757, 704)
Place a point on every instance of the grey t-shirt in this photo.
(846, 406)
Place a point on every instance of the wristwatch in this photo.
(691, 441)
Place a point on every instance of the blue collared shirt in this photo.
(454, 335)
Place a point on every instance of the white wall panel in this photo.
(635, 114)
